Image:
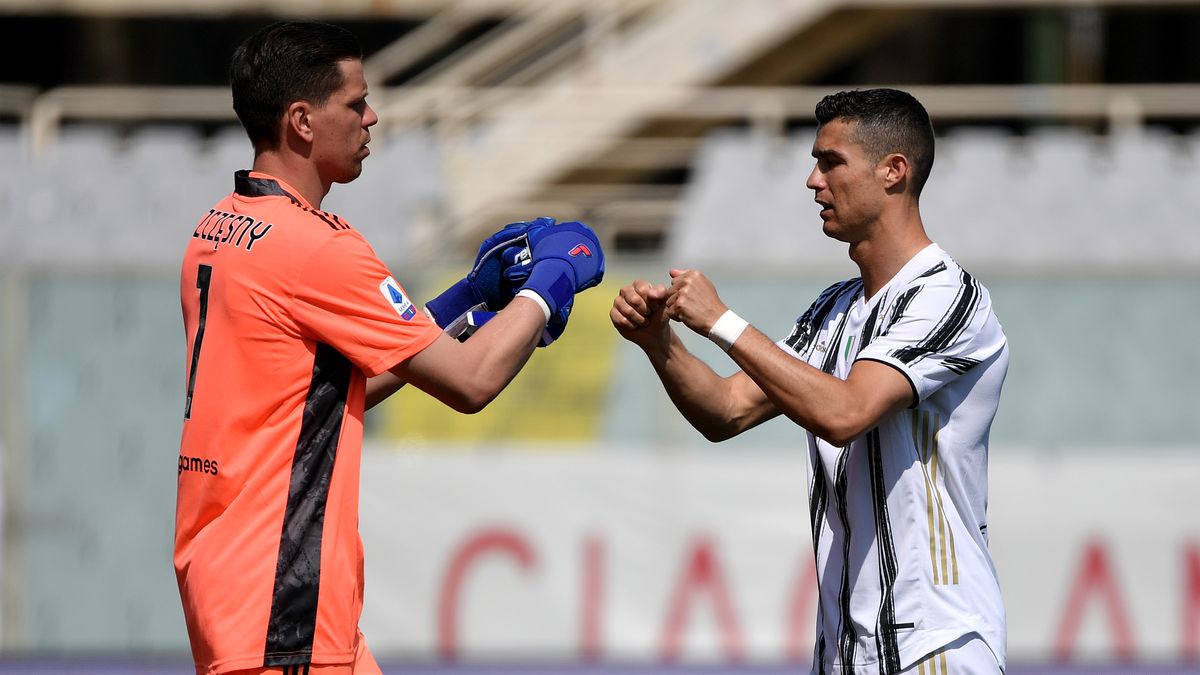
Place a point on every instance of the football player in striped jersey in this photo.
(895, 377)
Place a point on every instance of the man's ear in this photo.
(298, 120)
(895, 169)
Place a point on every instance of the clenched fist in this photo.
(693, 301)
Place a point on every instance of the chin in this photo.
(830, 228)
(349, 175)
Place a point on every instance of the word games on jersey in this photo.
(220, 227)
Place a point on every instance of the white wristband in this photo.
(532, 295)
(727, 329)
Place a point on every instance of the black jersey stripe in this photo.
(960, 364)
(940, 267)
(868, 331)
(818, 502)
(952, 324)
(961, 317)
(926, 345)
(819, 654)
(850, 291)
(293, 619)
(804, 330)
(831, 355)
(847, 639)
(809, 323)
(886, 644)
(901, 305)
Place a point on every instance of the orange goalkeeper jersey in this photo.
(287, 309)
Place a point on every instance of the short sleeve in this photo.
(346, 297)
(936, 331)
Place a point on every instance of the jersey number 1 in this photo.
(203, 278)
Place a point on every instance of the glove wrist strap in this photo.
(449, 310)
(533, 295)
(554, 280)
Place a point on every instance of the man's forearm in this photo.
(704, 398)
(834, 409)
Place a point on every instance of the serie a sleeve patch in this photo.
(394, 295)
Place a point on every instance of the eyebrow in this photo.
(825, 153)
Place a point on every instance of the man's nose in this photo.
(815, 180)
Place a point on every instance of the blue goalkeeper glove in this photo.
(486, 287)
(553, 330)
(565, 258)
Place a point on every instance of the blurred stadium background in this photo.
(578, 525)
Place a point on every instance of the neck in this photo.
(890, 246)
(297, 172)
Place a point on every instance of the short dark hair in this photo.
(283, 63)
(888, 120)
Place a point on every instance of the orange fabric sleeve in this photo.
(346, 298)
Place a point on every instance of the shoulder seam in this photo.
(333, 223)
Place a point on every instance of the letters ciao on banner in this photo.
(706, 557)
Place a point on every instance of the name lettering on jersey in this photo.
(197, 465)
(220, 227)
(396, 298)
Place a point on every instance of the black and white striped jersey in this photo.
(899, 516)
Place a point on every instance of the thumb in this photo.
(677, 272)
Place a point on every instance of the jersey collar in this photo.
(915, 267)
(247, 183)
